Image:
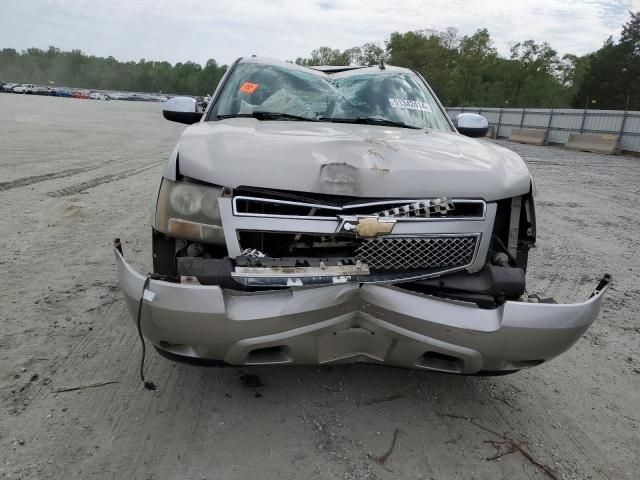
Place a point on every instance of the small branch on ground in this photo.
(382, 459)
(502, 448)
(327, 387)
(388, 398)
(505, 401)
(82, 387)
(506, 445)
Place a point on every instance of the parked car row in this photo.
(31, 89)
(24, 88)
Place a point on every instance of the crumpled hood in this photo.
(348, 159)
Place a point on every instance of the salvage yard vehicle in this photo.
(99, 96)
(61, 92)
(336, 214)
(38, 90)
(24, 88)
(80, 94)
(8, 87)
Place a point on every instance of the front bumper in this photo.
(352, 322)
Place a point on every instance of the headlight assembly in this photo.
(209, 205)
(190, 211)
(185, 199)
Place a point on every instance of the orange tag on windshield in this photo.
(248, 87)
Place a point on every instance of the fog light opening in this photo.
(268, 356)
(441, 362)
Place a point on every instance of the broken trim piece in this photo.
(267, 278)
(298, 276)
(514, 226)
(603, 284)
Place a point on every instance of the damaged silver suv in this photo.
(336, 214)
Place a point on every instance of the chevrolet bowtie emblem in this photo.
(367, 227)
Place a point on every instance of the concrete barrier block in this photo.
(532, 136)
(596, 143)
(492, 132)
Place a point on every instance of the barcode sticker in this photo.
(410, 104)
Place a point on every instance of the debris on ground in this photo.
(251, 381)
(506, 445)
(382, 459)
(388, 398)
(82, 387)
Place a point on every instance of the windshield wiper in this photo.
(369, 121)
(260, 115)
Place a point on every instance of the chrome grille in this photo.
(418, 253)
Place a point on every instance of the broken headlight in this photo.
(190, 211)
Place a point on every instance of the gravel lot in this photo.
(77, 173)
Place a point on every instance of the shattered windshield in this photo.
(274, 92)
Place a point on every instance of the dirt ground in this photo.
(76, 173)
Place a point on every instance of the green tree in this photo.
(533, 79)
(474, 63)
(366, 54)
(324, 56)
(612, 77)
(431, 53)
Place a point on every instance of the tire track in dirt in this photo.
(114, 177)
(77, 366)
(111, 352)
(32, 179)
(25, 181)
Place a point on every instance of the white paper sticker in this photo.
(148, 295)
(410, 104)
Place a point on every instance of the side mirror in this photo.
(181, 110)
(471, 124)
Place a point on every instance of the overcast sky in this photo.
(180, 30)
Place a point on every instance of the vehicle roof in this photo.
(337, 70)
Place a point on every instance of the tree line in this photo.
(76, 69)
(463, 70)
